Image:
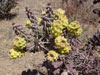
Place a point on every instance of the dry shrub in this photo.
(6, 6)
(81, 10)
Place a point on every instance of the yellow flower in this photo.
(74, 28)
(59, 12)
(56, 28)
(61, 42)
(43, 13)
(16, 53)
(73, 25)
(28, 23)
(62, 45)
(19, 43)
(64, 20)
(39, 20)
(78, 32)
(65, 50)
(52, 55)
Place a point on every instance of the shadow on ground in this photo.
(33, 72)
(8, 16)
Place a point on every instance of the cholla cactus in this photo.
(14, 53)
(62, 44)
(37, 33)
(74, 28)
(56, 28)
(52, 55)
(19, 43)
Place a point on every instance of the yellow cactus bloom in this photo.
(52, 56)
(43, 13)
(39, 20)
(74, 28)
(64, 20)
(16, 53)
(56, 28)
(19, 43)
(58, 24)
(65, 50)
(78, 32)
(59, 12)
(62, 44)
(28, 23)
(74, 25)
